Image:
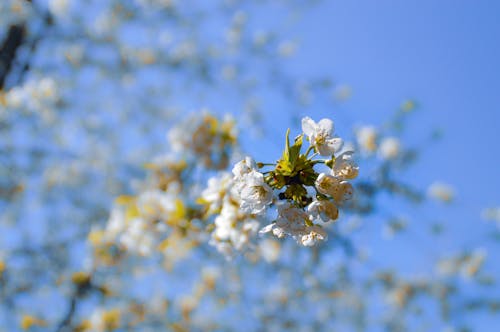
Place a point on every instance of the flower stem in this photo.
(309, 149)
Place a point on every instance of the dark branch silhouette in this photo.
(15, 38)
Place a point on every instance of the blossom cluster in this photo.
(205, 138)
(233, 228)
(229, 213)
(302, 195)
(38, 97)
(163, 215)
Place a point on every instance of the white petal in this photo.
(326, 125)
(325, 150)
(308, 126)
(335, 143)
(266, 229)
(307, 241)
(250, 162)
(320, 232)
(313, 207)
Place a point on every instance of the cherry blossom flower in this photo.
(338, 189)
(244, 167)
(345, 167)
(320, 136)
(292, 221)
(315, 234)
(255, 193)
(324, 210)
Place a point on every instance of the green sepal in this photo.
(287, 164)
(330, 163)
(298, 194)
(275, 180)
(295, 150)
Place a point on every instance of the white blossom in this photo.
(244, 167)
(216, 190)
(320, 136)
(233, 230)
(338, 189)
(255, 193)
(293, 221)
(345, 167)
(116, 223)
(234, 227)
(315, 234)
(138, 237)
(155, 204)
(325, 210)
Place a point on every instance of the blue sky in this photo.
(443, 54)
(446, 56)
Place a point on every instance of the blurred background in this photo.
(90, 88)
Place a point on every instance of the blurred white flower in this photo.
(342, 92)
(441, 191)
(116, 223)
(270, 250)
(234, 226)
(389, 148)
(491, 214)
(13, 12)
(473, 263)
(59, 7)
(138, 237)
(155, 205)
(315, 233)
(366, 138)
(233, 230)
(466, 265)
(37, 96)
(287, 48)
(260, 38)
(217, 188)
